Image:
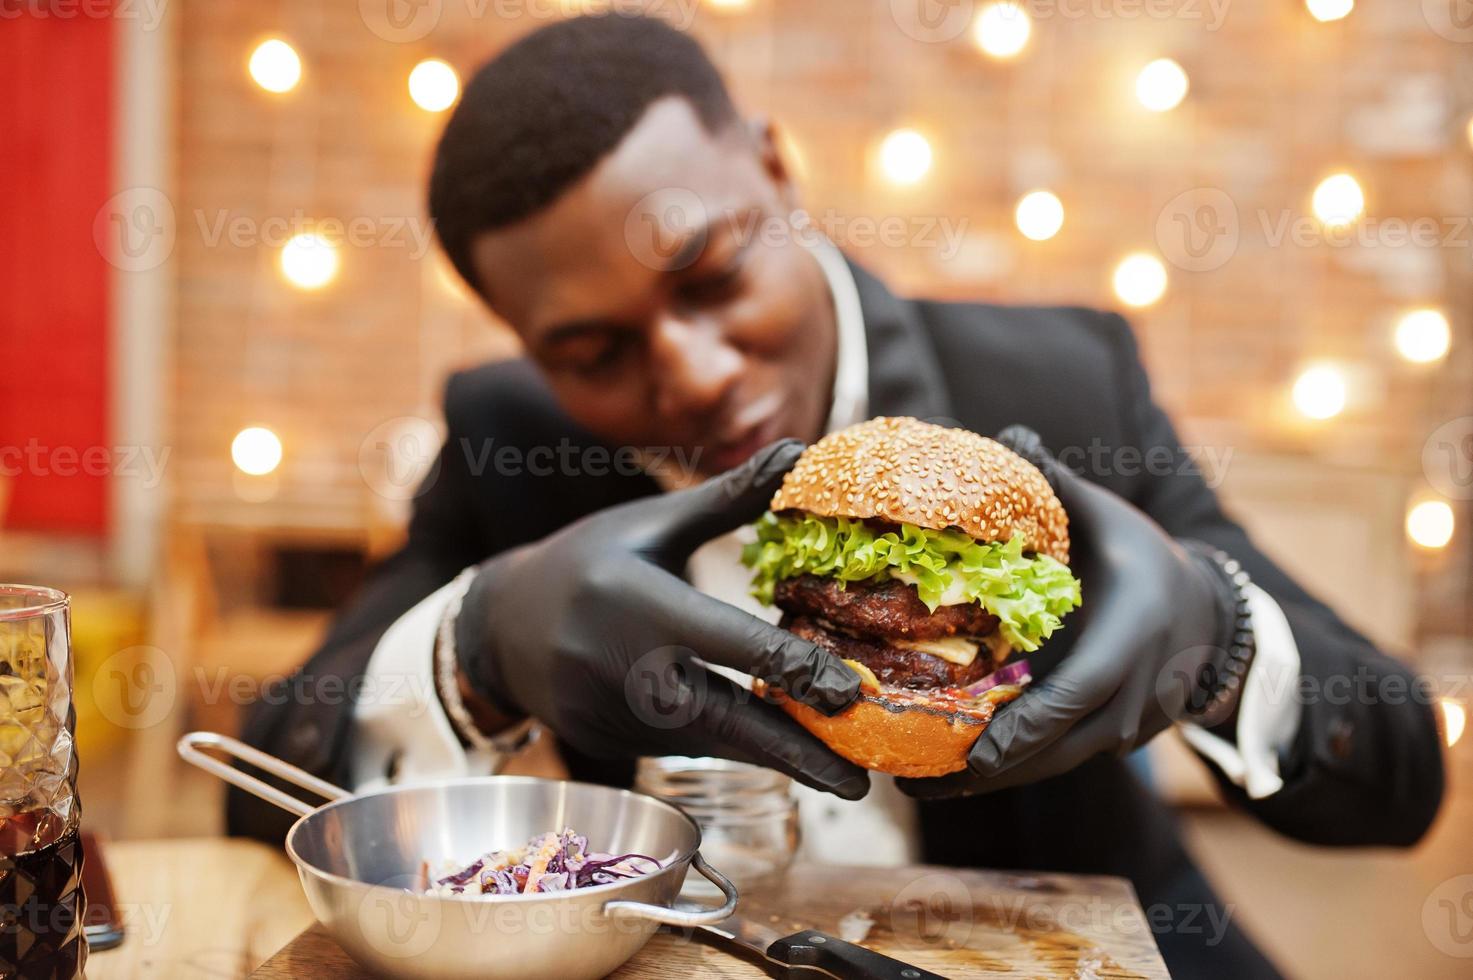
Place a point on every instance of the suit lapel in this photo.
(904, 374)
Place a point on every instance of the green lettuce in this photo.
(1029, 594)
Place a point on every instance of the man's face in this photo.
(659, 302)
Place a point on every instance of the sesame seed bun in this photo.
(901, 732)
(905, 471)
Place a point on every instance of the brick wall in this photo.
(1277, 102)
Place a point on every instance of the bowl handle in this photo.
(189, 750)
(682, 917)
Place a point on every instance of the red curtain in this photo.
(56, 135)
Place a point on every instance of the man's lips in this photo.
(733, 451)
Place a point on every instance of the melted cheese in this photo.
(955, 594)
(953, 649)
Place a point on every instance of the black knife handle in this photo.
(811, 953)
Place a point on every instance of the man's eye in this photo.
(591, 356)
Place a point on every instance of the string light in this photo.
(1320, 392)
(1338, 200)
(1001, 30)
(1454, 720)
(256, 450)
(905, 156)
(1423, 336)
(1327, 10)
(1140, 279)
(1040, 215)
(309, 261)
(275, 66)
(1430, 524)
(433, 85)
(1161, 85)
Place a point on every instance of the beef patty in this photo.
(892, 666)
(890, 608)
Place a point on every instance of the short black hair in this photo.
(542, 113)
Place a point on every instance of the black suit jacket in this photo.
(1358, 772)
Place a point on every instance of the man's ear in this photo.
(766, 138)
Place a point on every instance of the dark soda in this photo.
(41, 912)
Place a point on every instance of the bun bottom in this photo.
(903, 733)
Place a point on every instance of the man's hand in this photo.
(594, 632)
(1150, 621)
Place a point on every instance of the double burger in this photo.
(932, 561)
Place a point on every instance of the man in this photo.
(572, 584)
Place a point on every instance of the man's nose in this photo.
(694, 366)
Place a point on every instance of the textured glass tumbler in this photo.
(41, 902)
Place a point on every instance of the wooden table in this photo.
(950, 921)
(205, 908)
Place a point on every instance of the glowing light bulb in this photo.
(1161, 85)
(1002, 29)
(433, 85)
(1327, 10)
(728, 4)
(1320, 392)
(256, 451)
(905, 156)
(275, 66)
(1040, 215)
(1454, 720)
(1430, 524)
(309, 261)
(1140, 279)
(1338, 200)
(1423, 336)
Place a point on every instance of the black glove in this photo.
(593, 631)
(1155, 619)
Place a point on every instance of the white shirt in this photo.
(407, 736)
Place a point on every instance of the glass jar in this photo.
(41, 903)
(747, 815)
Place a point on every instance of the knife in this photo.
(808, 953)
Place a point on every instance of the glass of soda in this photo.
(41, 903)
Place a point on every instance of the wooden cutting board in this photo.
(951, 921)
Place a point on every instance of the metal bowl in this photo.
(359, 860)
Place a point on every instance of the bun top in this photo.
(905, 471)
